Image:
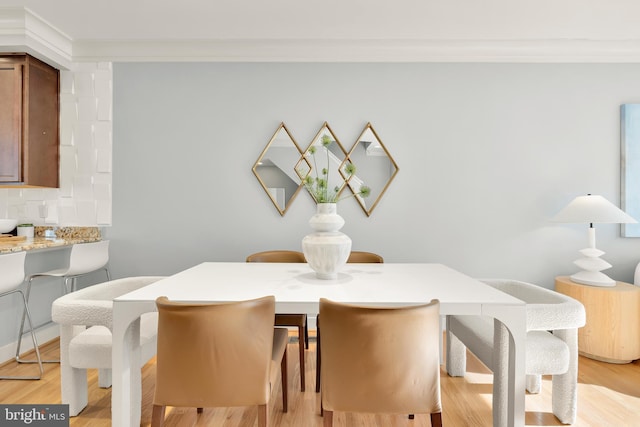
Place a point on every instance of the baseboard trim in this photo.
(43, 334)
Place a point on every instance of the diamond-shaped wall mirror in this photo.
(278, 169)
(375, 168)
(283, 167)
(326, 157)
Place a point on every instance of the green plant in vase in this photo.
(319, 186)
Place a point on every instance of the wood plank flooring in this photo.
(609, 395)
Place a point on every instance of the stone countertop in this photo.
(57, 237)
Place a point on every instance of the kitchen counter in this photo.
(57, 237)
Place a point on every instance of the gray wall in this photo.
(488, 153)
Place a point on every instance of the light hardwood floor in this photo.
(609, 395)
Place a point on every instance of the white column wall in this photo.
(84, 196)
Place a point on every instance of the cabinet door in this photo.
(10, 121)
(40, 138)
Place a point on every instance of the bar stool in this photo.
(12, 267)
(85, 258)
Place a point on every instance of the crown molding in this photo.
(23, 31)
(361, 50)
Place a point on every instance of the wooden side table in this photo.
(612, 331)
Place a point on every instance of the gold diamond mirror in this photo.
(374, 168)
(278, 169)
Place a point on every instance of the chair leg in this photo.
(328, 419)
(104, 378)
(25, 313)
(318, 356)
(285, 382)
(263, 415)
(301, 351)
(157, 416)
(564, 388)
(67, 288)
(533, 383)
(73, 381)
(456, 359)
(436, 419)
(306, 334)
(33, 339)
(75, 392)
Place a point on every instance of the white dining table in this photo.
(297, 290)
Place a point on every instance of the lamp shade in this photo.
(592, 209)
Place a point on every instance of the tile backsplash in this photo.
(84, 196)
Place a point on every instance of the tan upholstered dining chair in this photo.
(298, 320)
(364, 257)
(354, 257)
(386, 361)
(205, 360)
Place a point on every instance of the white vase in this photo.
(326, 249)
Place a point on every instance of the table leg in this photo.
(126, 393)
(509, 356)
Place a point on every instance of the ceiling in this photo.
(345, 29)
(307, 19)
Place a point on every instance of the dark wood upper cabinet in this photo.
(29, 122)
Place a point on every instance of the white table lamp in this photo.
(592, 209)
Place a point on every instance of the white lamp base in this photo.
(593, 278)
(592, 265)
